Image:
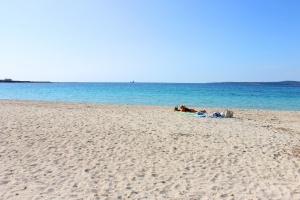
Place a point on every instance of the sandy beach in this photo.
(52, 150)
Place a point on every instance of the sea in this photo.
(201, 95)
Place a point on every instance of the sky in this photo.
(182, 41)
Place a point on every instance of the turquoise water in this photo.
(275, 97)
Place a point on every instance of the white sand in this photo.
(88, 151)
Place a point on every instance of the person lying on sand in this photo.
(183, 108)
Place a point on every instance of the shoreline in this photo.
(108, 151)
(213, 109)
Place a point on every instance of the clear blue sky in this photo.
(150, 40)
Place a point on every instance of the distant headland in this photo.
(262, 83)
(9, 80)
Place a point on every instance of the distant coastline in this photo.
(7, 80)
(262, 83)
(238, 83)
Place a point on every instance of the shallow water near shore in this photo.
(267, 97)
